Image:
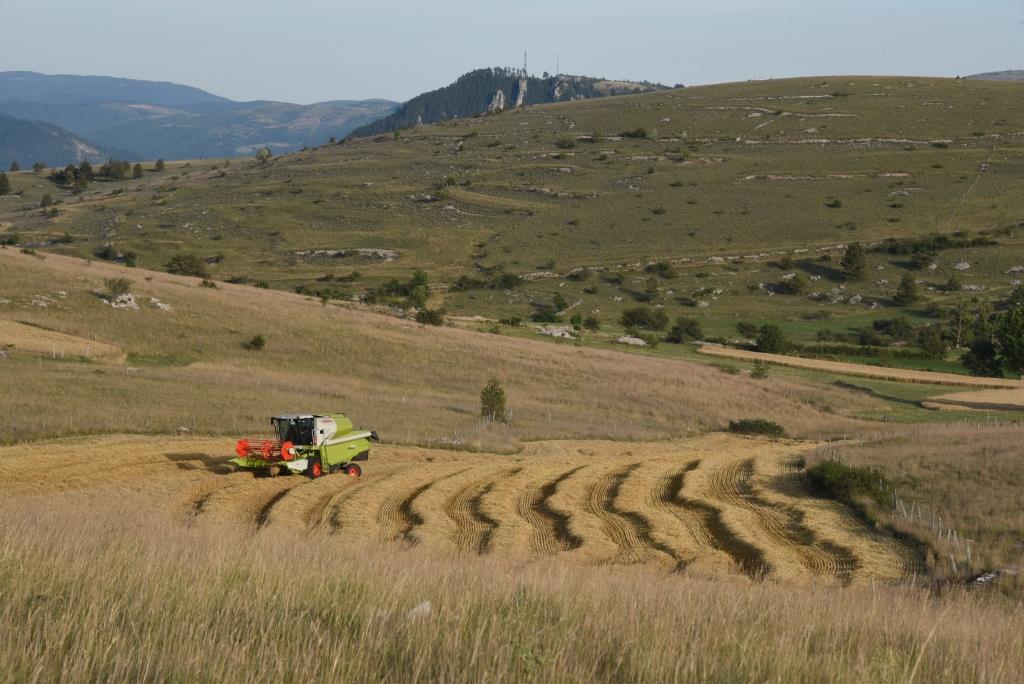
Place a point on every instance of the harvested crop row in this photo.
(713, 504)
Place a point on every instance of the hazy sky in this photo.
(313, 50)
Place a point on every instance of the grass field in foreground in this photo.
(105, 591)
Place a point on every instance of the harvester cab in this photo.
(307, 443)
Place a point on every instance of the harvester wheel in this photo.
(353, 470)
(314, 469)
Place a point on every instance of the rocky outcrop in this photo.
(497, 102)
(520, 91)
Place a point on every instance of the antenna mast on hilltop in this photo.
(525, 72)
(558, 68)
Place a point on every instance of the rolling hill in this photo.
(494, 90)
(151, 120)
(737, 188)
(28, 142)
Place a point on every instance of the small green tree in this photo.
(85, 170)
(685, 330)
(771, 339)
(931, 342)
(492, 401)
(46, 201)
(854, 262)
(263, 155)
(559, 302)
(5, 184)
(160, 165)
(137, 171)
(38, 167)
(906, 292)
(1010, 339)
(591, 323)
(15, 167)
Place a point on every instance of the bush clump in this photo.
(850, 485)
(187, 265)
(430, 316)
(255, 343)
(756, 426)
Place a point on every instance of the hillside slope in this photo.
(737, 188)
(494, 90)
(28, 142)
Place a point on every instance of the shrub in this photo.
(255, 343)
(430, 316)
(637, 133)
(591, 323)
(906, 291)
(645, 317)
(756, 426)
(760, 371)
(206, 282)
(850, 485)
(685, 330)
(834, 203)
(661, 268)
(747, 329)
(46, 201)
(117, 286)
(188, 265)
(492, 401)
(508, 281)
(558, 301)
(771, 339)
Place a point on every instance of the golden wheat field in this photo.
(710, 505)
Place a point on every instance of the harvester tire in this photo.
(353, 470)
(314, 469)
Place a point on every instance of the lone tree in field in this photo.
(263, 155)
(492, 401)
(854, 262)
(5, 184)
(160, 165)
(46, 201)
(771, 339)
(15, 166)
(38, 167)
(137, 171)
(906, 292)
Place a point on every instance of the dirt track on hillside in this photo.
(711, 505)
(862, 370)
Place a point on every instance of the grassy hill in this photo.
(736, 187)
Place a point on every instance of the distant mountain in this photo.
(149, 120)
(29, 86)
(486, 90)
(1010, 75)
(28, 142)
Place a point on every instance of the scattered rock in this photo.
(158, 304)
(123, 301)
(363, 252)
(855, 299)
(563, 332)
(423, 610)
(962, 265)
(631, 341)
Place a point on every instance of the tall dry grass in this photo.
(967, 477)
(94, 592)
(413, 384)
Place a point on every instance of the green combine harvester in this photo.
(309, 444)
